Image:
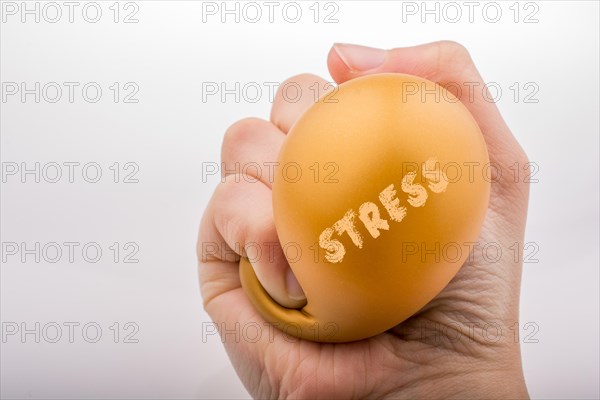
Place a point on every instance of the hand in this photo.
(460, 345)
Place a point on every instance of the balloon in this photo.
(381, 191)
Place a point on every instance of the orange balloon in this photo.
(380, 192)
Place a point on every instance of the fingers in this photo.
(450, 65)
(239, 221)
(251, 147)
(294, 96)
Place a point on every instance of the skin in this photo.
(443, 351)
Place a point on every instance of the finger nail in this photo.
(360, 58)
(294, 289)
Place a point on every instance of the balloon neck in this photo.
(292, 322)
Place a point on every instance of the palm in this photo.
(357, 370)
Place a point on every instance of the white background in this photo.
(171, 131)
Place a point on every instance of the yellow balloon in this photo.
(380, 194)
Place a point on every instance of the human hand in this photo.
(443, 351)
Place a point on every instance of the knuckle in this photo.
(300, 82)
(456, 60)
(528, 168)
(264, 229)
(226, 215)
(240, 132)
(454, 55)
(522, 158)
(519, 155)
(455, 50)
